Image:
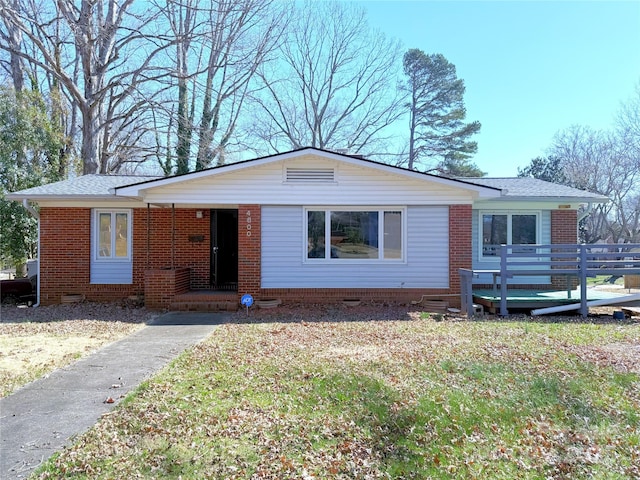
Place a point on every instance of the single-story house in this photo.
(303, 226)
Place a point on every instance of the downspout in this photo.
(173, 235)
(34, 212)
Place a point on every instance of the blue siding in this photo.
(426, 265)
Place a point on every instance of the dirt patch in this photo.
(36, 341)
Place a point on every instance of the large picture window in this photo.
(113, 233)
(354, 234)
(508, 229)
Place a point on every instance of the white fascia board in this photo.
(88, 202)
(65, 198)
(573, 201)
(528, 204)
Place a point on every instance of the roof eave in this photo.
(40, 197)
(554, 199)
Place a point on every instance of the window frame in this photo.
(96, 234)
(509, 214)
(381, 210)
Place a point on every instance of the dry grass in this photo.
(35, 341)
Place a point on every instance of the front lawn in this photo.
(413, 398)
(36, 341)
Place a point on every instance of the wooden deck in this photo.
(531, 299)
(556, 260)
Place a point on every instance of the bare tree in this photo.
(244, 33)
(100, 53)
(603, 162)
(218, 47)
(12, 37)
(334, 86)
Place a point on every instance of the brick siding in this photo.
(460, 243)
(65, 251)
(564, 226)
(249, 249)
(564, 230)
(65, 243)
(65, 258)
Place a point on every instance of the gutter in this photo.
(30, 209)
(34, 212)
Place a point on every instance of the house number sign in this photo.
(248, 223)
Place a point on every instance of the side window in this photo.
(498, 228)
(112, 235)
(494, 234)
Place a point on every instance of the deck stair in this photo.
(205, 301)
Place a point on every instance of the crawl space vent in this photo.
(295, 175)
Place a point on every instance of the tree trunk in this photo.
(90, 142)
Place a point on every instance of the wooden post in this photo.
(503, 281)
(584, 309)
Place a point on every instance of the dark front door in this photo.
(224, 249)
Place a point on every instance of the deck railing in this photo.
(571, 260)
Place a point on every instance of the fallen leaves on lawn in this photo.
(329, 396)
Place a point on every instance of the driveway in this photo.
(44, 416)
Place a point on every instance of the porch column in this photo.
(249, 249)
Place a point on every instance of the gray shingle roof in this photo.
(96, 186)
(532, 188)
(84, 186)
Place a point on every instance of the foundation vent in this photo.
(304, 175)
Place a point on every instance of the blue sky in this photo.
(530, 68)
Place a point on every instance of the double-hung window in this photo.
(354, 234)
(499, 228)
(112, 235)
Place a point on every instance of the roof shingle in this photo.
(86, 185)
(532, 188)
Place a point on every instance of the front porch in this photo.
(170, 288)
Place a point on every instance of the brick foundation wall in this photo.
(366, 295)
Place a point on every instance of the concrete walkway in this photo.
(42, 417)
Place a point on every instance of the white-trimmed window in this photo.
(112, 234)
(509, 228)
(346, 233)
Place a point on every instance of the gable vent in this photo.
(295, 175)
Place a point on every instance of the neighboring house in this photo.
(304, 226)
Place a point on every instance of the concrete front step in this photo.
(205, 301)
(203, 306)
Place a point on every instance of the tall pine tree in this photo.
(438, 134)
